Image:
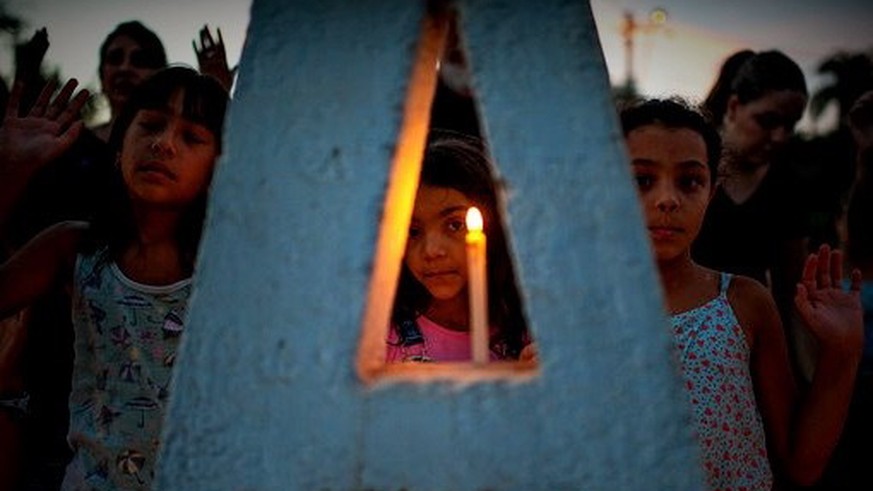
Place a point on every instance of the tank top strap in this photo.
(723, 283)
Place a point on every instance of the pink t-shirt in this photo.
(440, 344)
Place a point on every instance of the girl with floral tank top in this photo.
(129, 269)
(752, 424)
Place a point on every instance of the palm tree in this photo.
(8, 22)
(10, 25)
(852, 75)
(830, 158)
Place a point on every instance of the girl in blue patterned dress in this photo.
(129, 269)
(750, 421)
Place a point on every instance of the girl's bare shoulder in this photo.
(70, 228)
(746, 290)
(56, 245)
(753, 305)
(63, 237)
(41, 263)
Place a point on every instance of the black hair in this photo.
(204, 102)
(674, 113)
(153, 49)
(458, 161)
(859, 213)
(861, 112)
(859, 205)
(749, 76)
(4, 94)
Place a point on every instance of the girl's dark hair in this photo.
(153, 49)
(204, 102)
(674, 113)
(749, 76)
(457, 161)
(861, 112)
(859, 214)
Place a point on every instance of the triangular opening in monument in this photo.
(440, 117)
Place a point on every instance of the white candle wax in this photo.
(477, 284)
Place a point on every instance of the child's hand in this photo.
(44, 133)
(834, 315)
(212, 58)
(29, 58)
(529, 353)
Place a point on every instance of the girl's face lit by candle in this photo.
(436, 249)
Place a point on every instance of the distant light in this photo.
(658, 16)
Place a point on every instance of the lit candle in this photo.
(477, 284)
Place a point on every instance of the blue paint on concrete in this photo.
(265, 395)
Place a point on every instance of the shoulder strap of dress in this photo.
(84, 265)
(724, 282)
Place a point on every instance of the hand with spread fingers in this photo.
(46, 131)
(833, 314)
(212, 58)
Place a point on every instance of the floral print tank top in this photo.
(714, 359)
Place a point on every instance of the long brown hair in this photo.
(749, 76)
(457, 161)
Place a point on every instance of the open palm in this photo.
(212, 57)
(833, 315)
(47, 130)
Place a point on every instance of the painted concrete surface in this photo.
(266, 396)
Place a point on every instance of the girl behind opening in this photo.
(129, 271)
(430, 320)
(727, 331)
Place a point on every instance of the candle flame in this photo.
(474, 219)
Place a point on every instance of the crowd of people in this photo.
(100, 229)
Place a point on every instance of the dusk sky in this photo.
(680, 57)
(684, 54)
(76, 28)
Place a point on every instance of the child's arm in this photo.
(29, 142)
(32, 271)
(770, 366)
(803, 431)
(835, 317)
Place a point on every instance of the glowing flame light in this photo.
(474, 219)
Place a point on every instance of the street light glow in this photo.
(658, 16)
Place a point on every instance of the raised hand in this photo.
(212, 58)
(833, 314)
(30, 55)
(27, 142)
